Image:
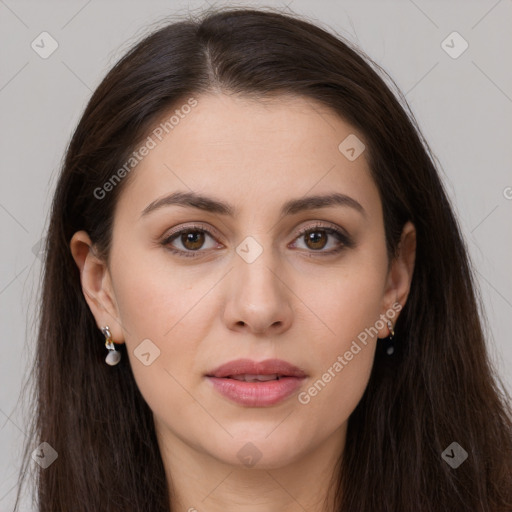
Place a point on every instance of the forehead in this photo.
(249, 152)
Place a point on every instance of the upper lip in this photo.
(266, 367)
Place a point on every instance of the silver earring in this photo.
(391, 344)
(391, 331)
(113, 356)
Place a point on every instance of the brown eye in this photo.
(323, 240)
(192, 240)
(316, 239)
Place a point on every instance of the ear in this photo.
(400, 273)
(96, 285)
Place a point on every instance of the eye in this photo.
(189, 240)
(318, 237)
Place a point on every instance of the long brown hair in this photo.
(438, 387)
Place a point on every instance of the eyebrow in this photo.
(291, 207)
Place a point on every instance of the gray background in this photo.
(463, 106)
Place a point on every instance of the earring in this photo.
(391, 345)
(391, 331)
(113, 356)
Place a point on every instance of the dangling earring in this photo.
(391, 344)
(113, 356)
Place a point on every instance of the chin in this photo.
(259, 450)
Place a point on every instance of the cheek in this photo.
(343, 360)
(349, 306)
(330, 397)
(162, 314)
(153, 295)
(346, 300)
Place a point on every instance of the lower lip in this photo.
(256, 394)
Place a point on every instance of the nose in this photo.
(259, 299)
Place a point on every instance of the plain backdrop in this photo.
(462, 101)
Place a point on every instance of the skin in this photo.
(291, 303)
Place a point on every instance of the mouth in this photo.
(257, 384)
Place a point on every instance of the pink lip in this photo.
(266, 367)
(257, 394)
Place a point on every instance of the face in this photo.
(255, 270)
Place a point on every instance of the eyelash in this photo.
(346, 242)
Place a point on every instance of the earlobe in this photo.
(96, 284)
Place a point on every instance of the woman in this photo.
(256, 295)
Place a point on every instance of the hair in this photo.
(438, 387)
